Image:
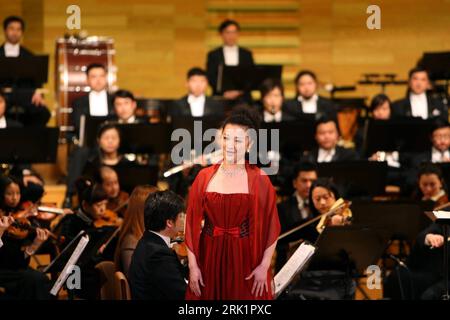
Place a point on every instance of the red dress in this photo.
(237, 228)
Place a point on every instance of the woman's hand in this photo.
(434, 240)
(259, 281)
(41, 236)
(337, 220)
(5, 222)
(195, 280)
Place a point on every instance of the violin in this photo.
(22, 227)
(109, 218)
(179, 246)
(342, 208)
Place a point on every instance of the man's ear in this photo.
(169, 223)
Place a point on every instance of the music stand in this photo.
(410, 135)
(390, 216)
(443, 218)
(33, 69)
(16, 147)
(246, 78)
(295, 136)
(437, 64)
(131, 176)
(358, 178)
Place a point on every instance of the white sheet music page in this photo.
(442, 214)
(68, 267)
(294, 265)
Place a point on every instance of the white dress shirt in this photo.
(419, 105)
(302, 203)
(309, 105)
(231, 55)
(269, 117)
(2, 122)
(131, 119)
(197, 105)
(12, 50)
(165, 238)
(98, 103)
(1, 243)
(438, 156)
(325, 155)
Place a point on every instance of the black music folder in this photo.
(16, 147)
(246, 78)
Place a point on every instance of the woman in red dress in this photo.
(232, 222)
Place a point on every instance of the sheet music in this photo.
(68, 267)
(442, 214)
(294, 265)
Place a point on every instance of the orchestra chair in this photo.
(106, 271)
(121, 286)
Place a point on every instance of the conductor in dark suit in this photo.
(230, 54)
(26, 96)
(307, 101)
(196, 103)
(418, 103)
(155, 272)
(327, 150)
(98, 102)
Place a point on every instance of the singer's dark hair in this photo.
(244, 116)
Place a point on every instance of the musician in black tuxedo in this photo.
(271, 107)
(418, 103)
(196, 103)
(327, 137)
(98, 103)
(27, 95)
(295, 210)
(307, 101)
(125, 108)
(230, 54)
(155, 272)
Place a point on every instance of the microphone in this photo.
(400, 262)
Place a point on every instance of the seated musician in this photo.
(431, 185)
(20, 281)
(36, 113)
(155, 271)
(133, 227)
(91, 216)
(327, 137)
(196, 103)
(272, 102)
(307, 101)
(98, 103)
(423, 278)
(6, 122)
(109, 180)
(418, 103)
(296, 210)
(107, 153)
(125, 107)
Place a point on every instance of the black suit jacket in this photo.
(341, 154)
(212, 107)
(436, 108)
(155, 272)
(13, 123)
(325, 107)
(81, 106)
(22, 53)
(216, 58)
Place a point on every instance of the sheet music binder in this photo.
(294, 266)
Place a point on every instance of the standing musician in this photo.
(27, 95)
